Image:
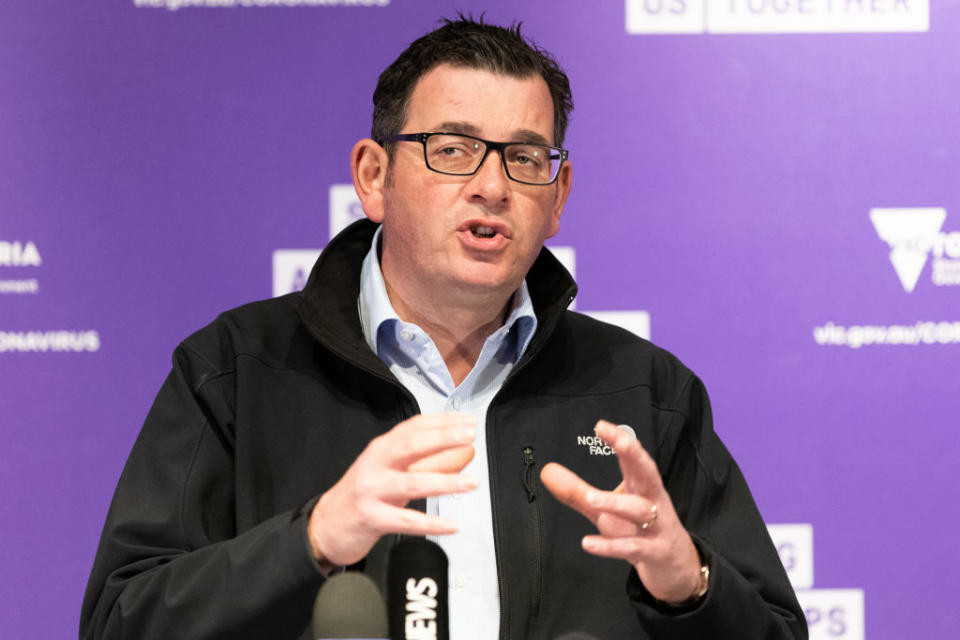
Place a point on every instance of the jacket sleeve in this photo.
(749, 594)
(170, 562)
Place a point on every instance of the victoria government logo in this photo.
(915, 236)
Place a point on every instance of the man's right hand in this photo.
(419, 458)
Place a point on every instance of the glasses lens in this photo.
(454, 154)
(532, 162)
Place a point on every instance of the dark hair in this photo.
(469, 43)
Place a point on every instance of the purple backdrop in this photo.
(152, 160)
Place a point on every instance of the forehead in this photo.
(490, 105)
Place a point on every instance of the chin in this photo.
(490, 281)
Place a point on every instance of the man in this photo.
(300, 435)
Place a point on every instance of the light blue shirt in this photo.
(414, 359)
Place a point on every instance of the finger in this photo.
(568, 488)
(401, 487)
(611, 526)
(423, 436)
(640, 473)
(447, 461)
(628, 506)
(411, 522)
(634, 549)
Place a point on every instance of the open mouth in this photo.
(481, 231)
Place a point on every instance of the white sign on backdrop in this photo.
(776, 16)
(20, 256)
(832, 614)
(794, 543)
(291, 268)
(665, 16)
(345, 207)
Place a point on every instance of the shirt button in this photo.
(628, 430)
(456, 403)
(459, 580)
(457, 496)
(406, 334)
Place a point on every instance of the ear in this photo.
(368, 164)
(560, 200)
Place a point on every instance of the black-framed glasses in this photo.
(458, 154)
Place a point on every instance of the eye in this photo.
(527, 156)
(456, 148)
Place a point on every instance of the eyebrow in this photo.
(520, 135)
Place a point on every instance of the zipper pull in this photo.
(529, 467)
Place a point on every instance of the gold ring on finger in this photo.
(653, 518)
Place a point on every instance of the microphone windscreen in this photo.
(417, 591)
(349, 605)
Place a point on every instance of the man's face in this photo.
(430, 246)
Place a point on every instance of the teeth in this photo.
(482, 231)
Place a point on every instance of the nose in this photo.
(490, 185)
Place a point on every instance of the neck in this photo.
(458, 331)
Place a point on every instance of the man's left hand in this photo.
(636, 521)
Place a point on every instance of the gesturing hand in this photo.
(418, 458)
(636, 521)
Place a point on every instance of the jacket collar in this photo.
(328, 303)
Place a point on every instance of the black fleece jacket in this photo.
(267, 407)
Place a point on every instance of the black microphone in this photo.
(417, 591)
(349, 606)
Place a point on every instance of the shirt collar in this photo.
(373, 305)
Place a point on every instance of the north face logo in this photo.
(595, 445)
(598, 447)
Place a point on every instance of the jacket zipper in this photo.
(530, 486)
